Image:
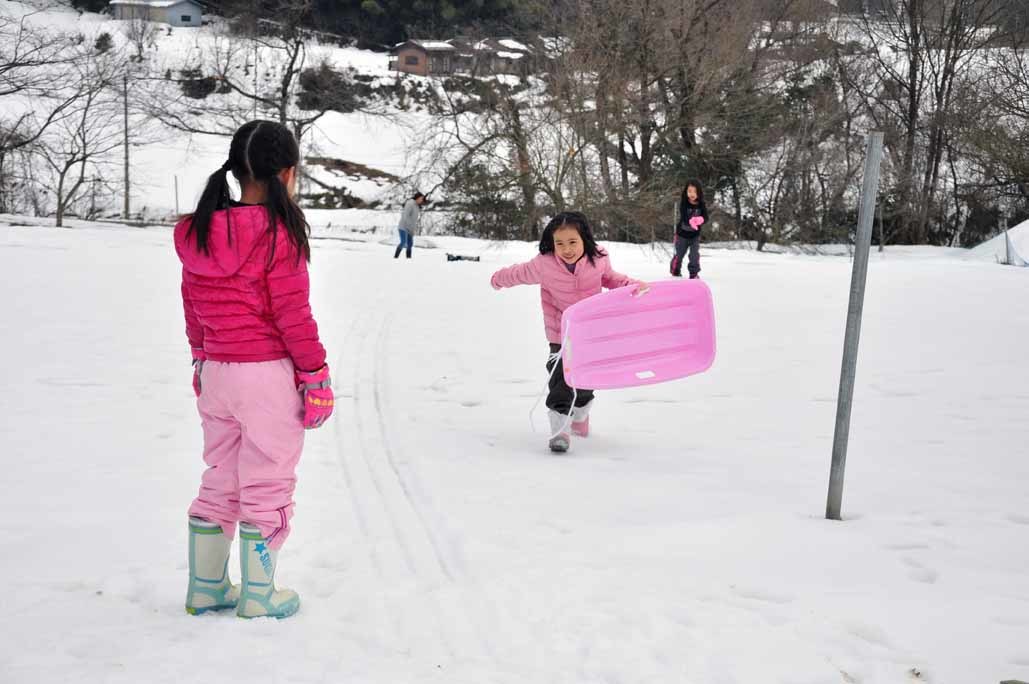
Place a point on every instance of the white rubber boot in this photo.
(258, 596)
(560, 440)
(209, 586)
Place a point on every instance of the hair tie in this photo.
(227, 166)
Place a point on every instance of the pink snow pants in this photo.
(253, 435)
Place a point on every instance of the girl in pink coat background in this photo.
(570, 267)
(260, 375)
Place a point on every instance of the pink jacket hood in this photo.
(230, 243)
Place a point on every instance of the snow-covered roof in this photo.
(159, 4)
(509, 55)
(514, 45)
(434, 44)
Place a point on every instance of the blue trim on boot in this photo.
(217, 589)
(252, 541)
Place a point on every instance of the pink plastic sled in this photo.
(618, 339)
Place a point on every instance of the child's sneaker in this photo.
(560, 440)
(581, 420)
(209, 586)
(258, 596)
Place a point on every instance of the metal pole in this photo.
(255, 79)
(125, 91)
(882, 241)
(862, 245)
(1007, 241)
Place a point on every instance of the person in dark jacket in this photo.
(692, 215)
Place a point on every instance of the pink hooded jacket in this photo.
(240, 308)
(559, 289)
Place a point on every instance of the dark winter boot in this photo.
(396, 254)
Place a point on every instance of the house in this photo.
(424, 57)
(512, 57)
(462, 56)
(467, 59)
(173, 12)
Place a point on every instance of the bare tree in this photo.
(992, 142)
(140, 31)
(79, 143)
(647, 76)
(256, 68)
(32, 60)
(921, 52)
(629, 88)
(482, 144)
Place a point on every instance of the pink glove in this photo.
(318, 397)
(697, 222)
(198, 365)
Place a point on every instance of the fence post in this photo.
(862, 245)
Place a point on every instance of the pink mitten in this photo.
(318, 398)
(697, 222)
(198, 365)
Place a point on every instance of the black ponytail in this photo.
(215, 196)
(259, 151)
(280, 206)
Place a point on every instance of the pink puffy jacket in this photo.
(238, 306)
(559, 289)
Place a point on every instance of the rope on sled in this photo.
(555, 357)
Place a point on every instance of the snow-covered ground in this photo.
(436, 540)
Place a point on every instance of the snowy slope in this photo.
(997, 248)
(437, 541)
(167, 157)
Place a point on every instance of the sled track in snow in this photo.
(384, 491)
(349, 476)
(392, 500)
(377, 393)
(377, 521)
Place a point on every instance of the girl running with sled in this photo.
(565, 277)
(259, 368)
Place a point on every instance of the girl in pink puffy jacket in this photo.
(570, 267)
(259, 368)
